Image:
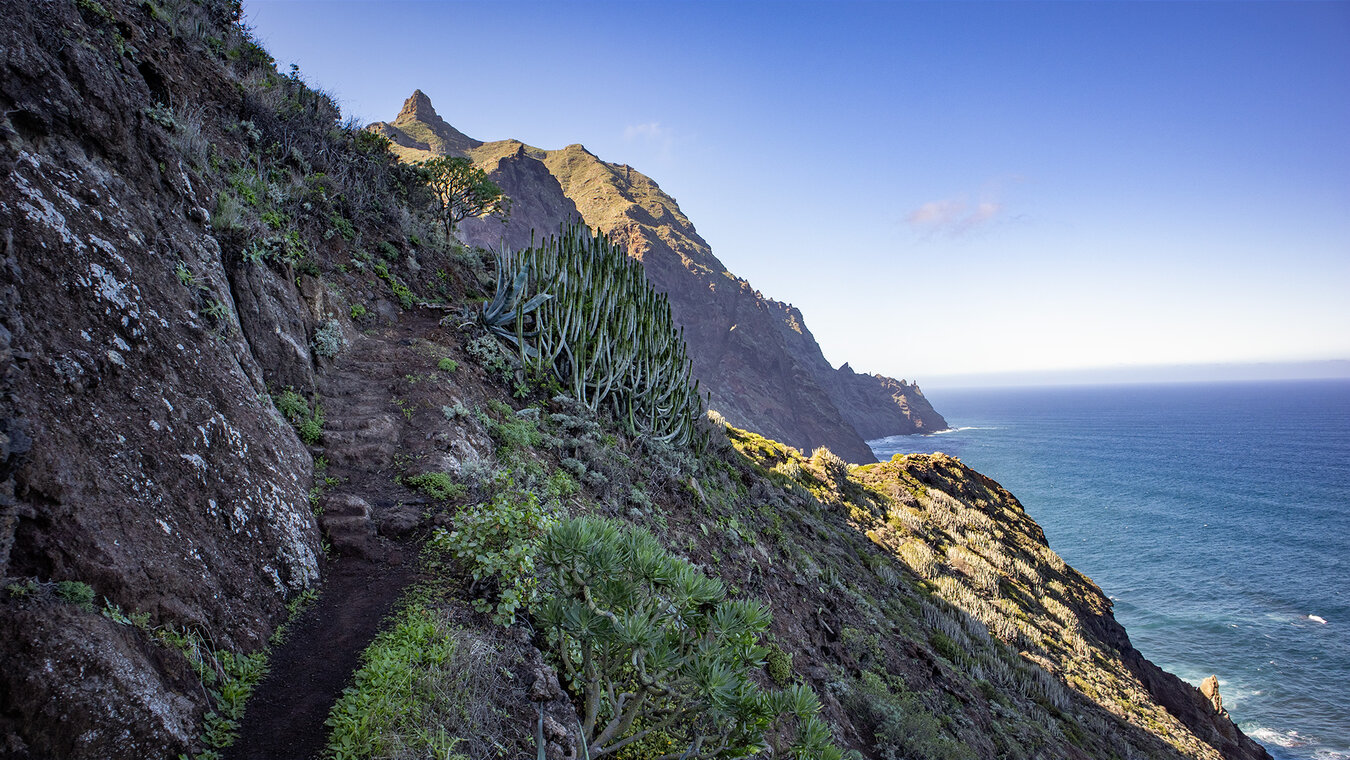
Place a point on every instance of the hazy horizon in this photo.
(944, 189)
(1336, 369)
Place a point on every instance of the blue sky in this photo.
(944, 189)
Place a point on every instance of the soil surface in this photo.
(285, 717)
(382, 397)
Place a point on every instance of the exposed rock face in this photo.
(538, 204)
(140, 453)
(417, 131)
(754, 355)
(1210, 688)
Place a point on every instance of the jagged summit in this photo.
(417, 106)
(419, 132)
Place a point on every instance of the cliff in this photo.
(235, 427)
(755, 355)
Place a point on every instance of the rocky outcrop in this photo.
(141, 455)
(754, 355)
(538, 203)
(1210, 689)
(418, 131)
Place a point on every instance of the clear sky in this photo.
(944, 189)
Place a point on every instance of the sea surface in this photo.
(1217, 517)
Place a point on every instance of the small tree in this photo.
(655, 650)
(462, 190)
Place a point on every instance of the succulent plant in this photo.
(600, 329)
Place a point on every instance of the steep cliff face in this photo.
(753, 354)
(154, 469)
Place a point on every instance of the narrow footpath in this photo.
(382, 398)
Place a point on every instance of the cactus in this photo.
(600, 329)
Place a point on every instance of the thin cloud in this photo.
(953, 216)
(653, 134)
(652, 130)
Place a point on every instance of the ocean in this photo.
(1216, 516)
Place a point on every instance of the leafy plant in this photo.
(498, 540)
(649, 644)
(328, 339)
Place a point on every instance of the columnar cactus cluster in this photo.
(601, 329)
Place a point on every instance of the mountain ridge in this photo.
(755, 355)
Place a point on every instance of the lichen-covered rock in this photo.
(141, 453)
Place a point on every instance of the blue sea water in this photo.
(1217, 517)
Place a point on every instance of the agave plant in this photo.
(505, 315)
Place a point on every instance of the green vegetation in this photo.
(599, 328)
(778, 664)
(447, 364)
(498, 541)
(651, 645)
(77, 593)
(295, 409)
(905, 727)
(462, 189)
(410, 680)
(437, 485)
(328, 339)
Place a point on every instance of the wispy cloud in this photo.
(652, 130)
(653, 134)
(954, 216)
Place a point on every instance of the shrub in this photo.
(77, 593)
(358, 311)
(650, 644)
(499, 540)
(437, 485)
(779, 665)
(295, 409)
(447, 365)
(491, 357)
(328, 339)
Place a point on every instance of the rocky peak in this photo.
(417, 107)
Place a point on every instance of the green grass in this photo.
(382, 714)
(437, 485)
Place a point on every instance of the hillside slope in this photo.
(754, 354)
(229, 386)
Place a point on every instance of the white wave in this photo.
(1271, 736)
(957, 430)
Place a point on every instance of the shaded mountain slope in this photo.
(754, 355)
